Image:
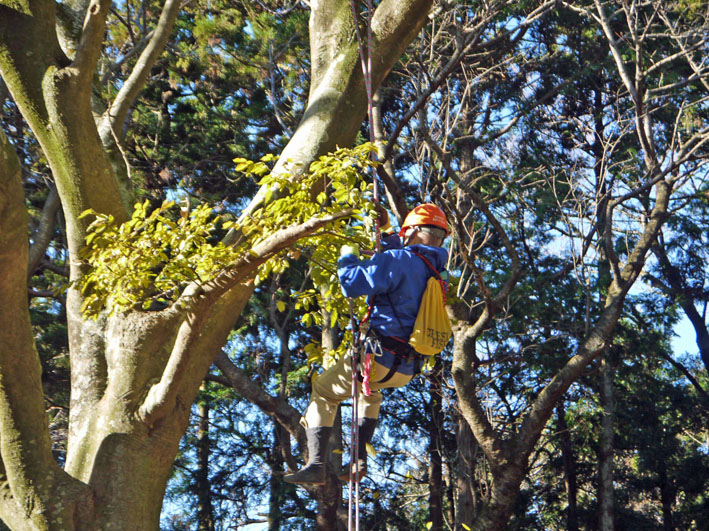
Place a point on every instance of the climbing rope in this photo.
(366, 60)
(365, 57)
(354, 451)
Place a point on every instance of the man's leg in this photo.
(314, 472)
(369, 407)
(329, 389)
(366, 427)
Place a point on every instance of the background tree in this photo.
(664, 161)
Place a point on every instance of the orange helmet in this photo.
(426, 214)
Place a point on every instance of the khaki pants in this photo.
(335, 385)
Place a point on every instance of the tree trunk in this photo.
(435, 445)
(328, 498)
(495, 514)
(567, 456)
(605, 453)
(466, 506)
(667, 496)
(605, 480)
(278, 487)
(450, 482)
(205, 511)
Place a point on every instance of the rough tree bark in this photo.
(35, 493)
(569, 461)
(467, 497)
(134, 375)
(205, 510)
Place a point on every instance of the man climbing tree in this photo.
(395, 281)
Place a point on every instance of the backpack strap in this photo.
(443, 283)
(428, 263)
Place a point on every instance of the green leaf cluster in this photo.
(146, 262)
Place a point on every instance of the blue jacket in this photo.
(394, 277)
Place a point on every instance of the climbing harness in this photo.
(357, 340)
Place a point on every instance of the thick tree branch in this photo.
(462, 369)
(24, 64)
(91, 41)
(395, 23)
(117, 113)
(636, 258)
(266, 249)
(599, 336)
(25, 445)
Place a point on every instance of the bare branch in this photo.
(482, 205)
(681, 368)
(273, 406)
(116, 115)
(91, 41)
(641, 116)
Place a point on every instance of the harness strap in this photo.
(401, 351)
(443, 283)
(392, 370)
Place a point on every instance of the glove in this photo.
(349, 249)
(383, 216)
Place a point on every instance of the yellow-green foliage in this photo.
(147, 261)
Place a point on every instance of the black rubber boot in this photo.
(314, 472)
(366, 432)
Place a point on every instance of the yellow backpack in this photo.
(432, 329)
